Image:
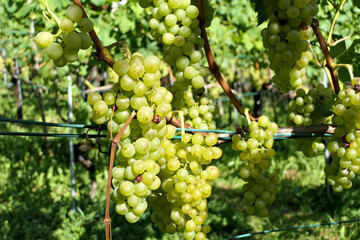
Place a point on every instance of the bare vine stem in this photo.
(330, 64)
(343, 39)
(336, 16)
(101, 52)
(114, 144)
(214, 67)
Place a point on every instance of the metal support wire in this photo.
(47, 123)
(31, 134)
(71, 145)
(228, 134)
(291, 228)
(3, 54)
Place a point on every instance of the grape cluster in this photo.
(175, 25)
(66, 49)
(138, 90)
(201, 116)
(256, 149)
(345, 147)
(137, 175)
(180, 205)
(311, 108)
(287, 40)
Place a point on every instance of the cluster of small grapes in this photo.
(201, 116)
(136, 177)
(302, 108)
(176, 25)
(66, 49)
(256, 150)
(346, 143)
(180, 205)
(138, 90)
(310, 147)
(287, 40)
(302, 113)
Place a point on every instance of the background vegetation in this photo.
(35, 186)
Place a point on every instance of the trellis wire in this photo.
(291, 228)
(33, 134)
(47, 123)
(71, 144)
(277, 136)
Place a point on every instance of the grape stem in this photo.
(88, 84)
(181, 114)
(293, 132)
(96, 89)
(213, 66)
(348, 67)
(52, 14)
(102, 53)
(336, 16)
(343, 39)
(114, 144)
(177, 123)
(330, 64)
(247, 115)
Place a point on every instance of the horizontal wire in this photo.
(291, 228)
(277, 136)
(47, 123)
(83, 135)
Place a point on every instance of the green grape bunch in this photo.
(175, 25)
(257, 152)
(345, 145)
(312, 108)
(65, 49)
(286, 39)
(138, 89)
(181, 203)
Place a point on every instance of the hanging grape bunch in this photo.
(345, 146)
(181, 205)
(312, 108)
(64, 47)
(286, 39)
(138, 90)
(175, 25)
(256, 149)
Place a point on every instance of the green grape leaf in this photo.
(25, 10)
(261, 11)
(125, 24)
(338, 48)
(352, 56)
(343, 75)
(356, 3)
(324, 110)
